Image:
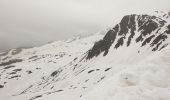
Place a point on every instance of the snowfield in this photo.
(146, 80)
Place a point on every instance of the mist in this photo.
(26, 23)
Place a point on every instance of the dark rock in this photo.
(10, 62)
(90, 71)
(1, 86)
(9, 67)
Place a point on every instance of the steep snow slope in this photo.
(131, 62)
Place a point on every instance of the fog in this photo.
(25, 23)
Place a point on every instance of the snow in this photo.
(41, 61)
(147, 80)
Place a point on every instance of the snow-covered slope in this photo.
(145, 80)
(20, 68)
(131, 62)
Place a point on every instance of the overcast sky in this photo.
(35, 22)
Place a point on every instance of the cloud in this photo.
(35, 22)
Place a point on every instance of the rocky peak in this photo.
(143, 29)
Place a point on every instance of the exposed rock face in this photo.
(143, 29)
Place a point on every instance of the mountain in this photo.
(130, 62)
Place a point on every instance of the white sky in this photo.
(35, 22)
